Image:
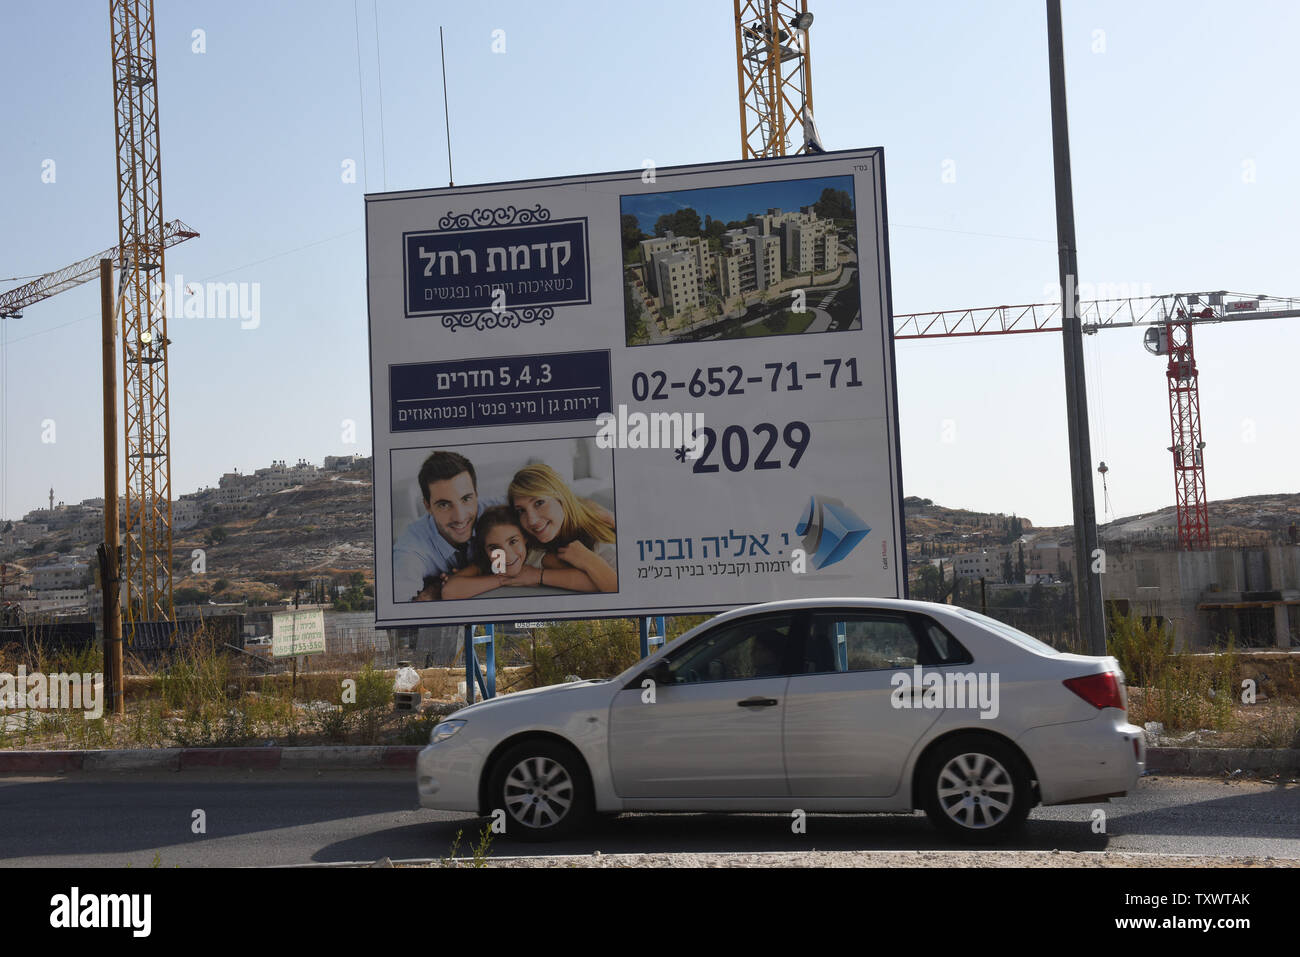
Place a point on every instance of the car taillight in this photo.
(1100, 691)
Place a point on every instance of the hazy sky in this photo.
(1183, 129)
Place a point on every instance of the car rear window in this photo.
(1006, 631)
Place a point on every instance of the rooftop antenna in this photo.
(445, 112)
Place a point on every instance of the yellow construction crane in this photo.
(143, 236)
(147, 556)
(774, 77)
(14, 301)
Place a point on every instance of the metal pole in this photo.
(108, 559)
(490, 656)
(1088, 584)
(469, 664)
(643, 629)
(446, 110)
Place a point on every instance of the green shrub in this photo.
(330, 723)
(1141, 647)
(1183, 692)
(589, 649)
(417, 728)
(373, 705)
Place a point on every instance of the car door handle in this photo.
(757, 702)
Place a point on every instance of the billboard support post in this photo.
(474, 674)
(650, 643)
(110, 580)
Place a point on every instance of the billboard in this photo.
(634, 393)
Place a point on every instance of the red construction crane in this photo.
(1170, 320)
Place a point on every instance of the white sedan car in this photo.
(827, 705)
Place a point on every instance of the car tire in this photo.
(976, 789)
(543, 787)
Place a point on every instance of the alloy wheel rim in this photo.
(538, 792)
(975, 791)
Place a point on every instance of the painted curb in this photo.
(319, 759)
(1213, 761)
(161, 759)
(263, 759)
(1192, 761)
(362, 757)
(40, 761)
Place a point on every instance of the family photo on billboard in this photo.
(502, 520)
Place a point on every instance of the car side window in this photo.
(861, 641)
(947, 649)
(751, 648)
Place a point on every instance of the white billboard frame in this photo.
(442, 341)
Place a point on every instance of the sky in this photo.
(1182, 128)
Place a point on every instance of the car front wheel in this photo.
(542, 786)
(976, 789)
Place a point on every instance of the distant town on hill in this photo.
(309, 529)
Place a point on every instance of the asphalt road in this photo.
(277, 817)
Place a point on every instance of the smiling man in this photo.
(439, 542)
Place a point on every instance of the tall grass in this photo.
(1141, 647)
(1184, 692)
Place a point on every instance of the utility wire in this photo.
(361, 93)
(379, 62)
(210, 276)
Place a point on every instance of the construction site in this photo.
(567, 413)
(1178, 571)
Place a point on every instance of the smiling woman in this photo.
(568, 528)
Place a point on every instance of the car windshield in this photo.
(1006, 631)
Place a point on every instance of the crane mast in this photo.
(773, 74)
(146, 566)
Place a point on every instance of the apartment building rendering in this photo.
(677, 268)
(740, 261)
(749, 261)
(811, 247)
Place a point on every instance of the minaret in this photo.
(51, 501)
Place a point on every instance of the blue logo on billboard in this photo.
(497, 268)
(830, 530)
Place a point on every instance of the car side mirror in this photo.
(660, 674)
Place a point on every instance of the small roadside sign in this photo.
(298, 633)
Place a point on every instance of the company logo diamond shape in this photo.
(830, 530)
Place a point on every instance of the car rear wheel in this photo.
(543, 788)
(976, 789)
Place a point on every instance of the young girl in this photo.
(567, 527)
(503, 557)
